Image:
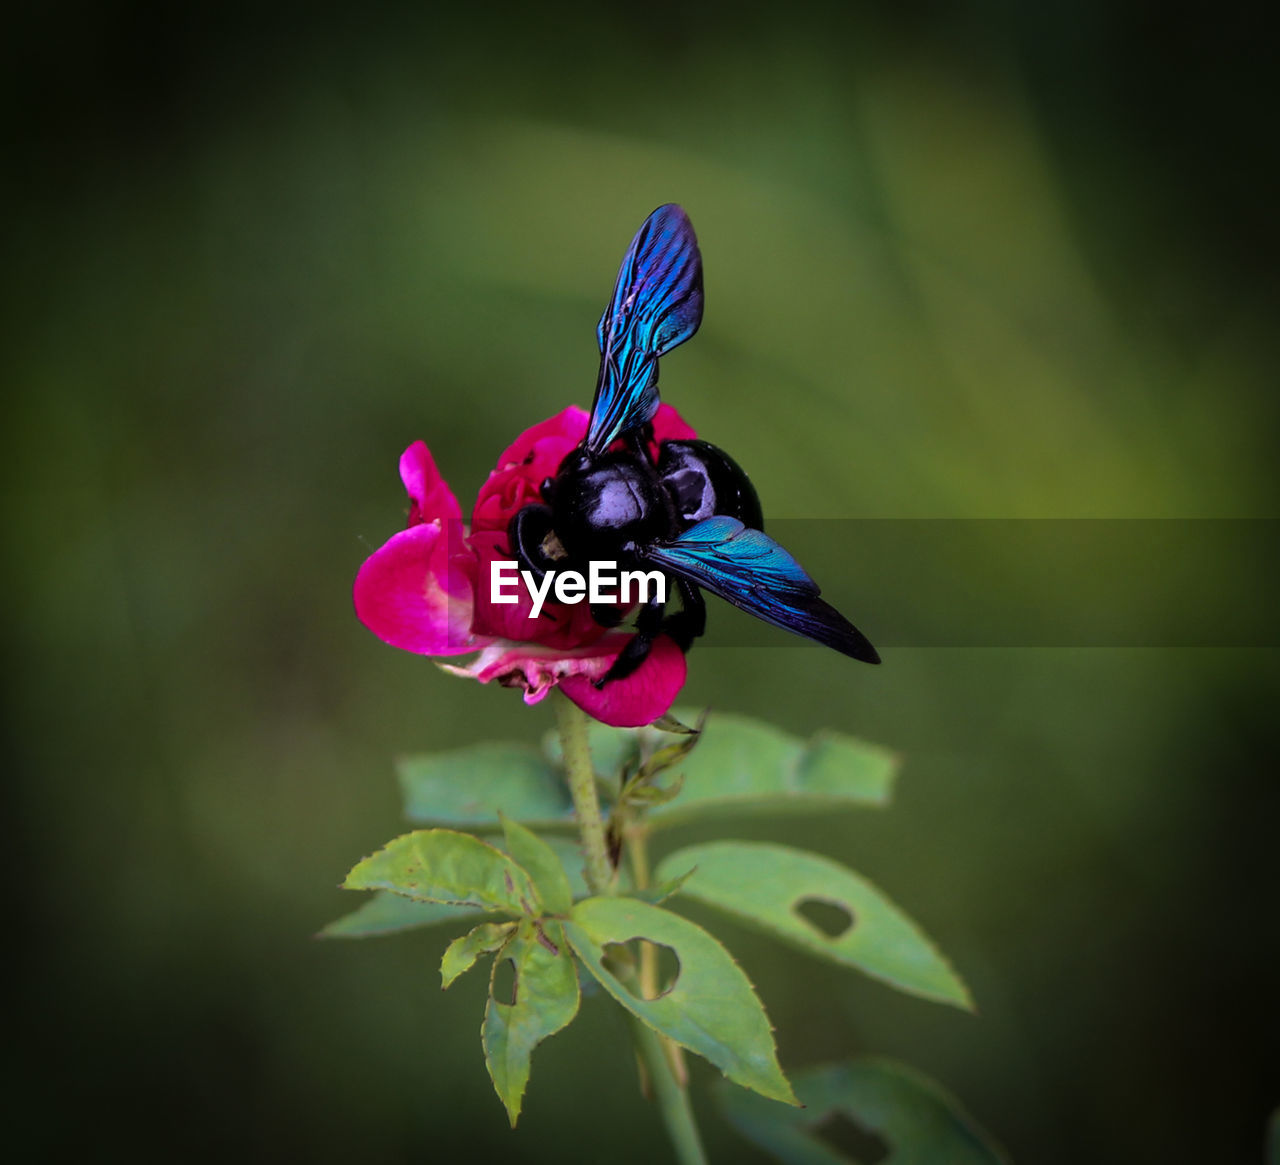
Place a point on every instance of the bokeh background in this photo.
(974, 260)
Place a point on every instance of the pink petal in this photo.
(559, 625)
(569, 424)
(669, 425)
(537, 668)
(533, 457)
(414, 592)
(428, 493)
(513, 486)
(640, 698)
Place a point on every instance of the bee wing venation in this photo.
(656, 305)
(753, 572)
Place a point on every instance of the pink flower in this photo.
(427, 589)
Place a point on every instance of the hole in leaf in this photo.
(504, 982)
(831, 919)
(666, 964)
(851, 1139)
(648, 970)
(620, 961)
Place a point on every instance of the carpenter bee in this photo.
(690, 511)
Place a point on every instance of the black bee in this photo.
(691, 512)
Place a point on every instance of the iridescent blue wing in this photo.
(656, 304)
(750, 570)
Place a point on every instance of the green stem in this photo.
(673, 1100)
(672, 1097)
(572, 722)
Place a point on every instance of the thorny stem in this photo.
(672, 1097)
(572, 723)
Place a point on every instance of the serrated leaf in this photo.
(745, 766)
(541, 863)
(711, 1009)
(545, 1001)
(470, 785)
(388, 913)
(439, 865)
(921, 1123)
(461, 954)
(762, 885)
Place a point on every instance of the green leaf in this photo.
(921, 1123)
(669, 723)
(658, 755)
(711, 1009)
(569, 851)
(438, 865)
(743, 766)
(659, 892)
(763, 885)
(647, 795)
(461, 954)
(387, 913)
(542, 864)
(665, 755)
(470, 786)
(545, 1000)
(845, 769)
(739, 765)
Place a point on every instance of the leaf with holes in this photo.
(438, 865)
(711, 1009)
(744, 766)
(470, 785)
(544, 999)
(542, 864)
(884, 1106)
(771, 887)
(461, 954)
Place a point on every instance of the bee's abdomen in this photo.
(704, 481)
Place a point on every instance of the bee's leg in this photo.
(688, 623)
(607, 615)
(528, 528)
(648, 624)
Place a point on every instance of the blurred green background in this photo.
(962, 261)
